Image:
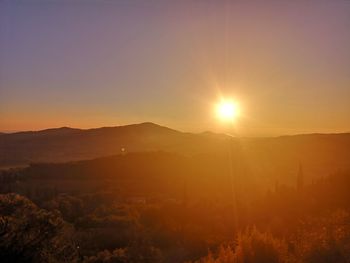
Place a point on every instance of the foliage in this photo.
(325, 239)
(139, 252)
(249, 247)
(30, 234)
(114, 207)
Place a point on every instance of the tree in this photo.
(250, 247)
(31, 234)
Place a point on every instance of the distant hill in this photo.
(319, 154)
(67, 144)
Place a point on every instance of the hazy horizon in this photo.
(179, 130)
(91, 64)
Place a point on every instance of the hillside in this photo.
(319, 154)
(67, 144)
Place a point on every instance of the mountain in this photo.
(67, 144)
(319, 154)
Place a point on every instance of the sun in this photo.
(227, 110)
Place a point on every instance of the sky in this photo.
(93, 63)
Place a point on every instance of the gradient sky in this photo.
(93, 63)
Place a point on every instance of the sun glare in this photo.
(227, 110)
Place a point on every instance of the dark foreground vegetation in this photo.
(162, 207)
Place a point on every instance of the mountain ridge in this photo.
(67, 128)
(319, 153)
(155, 125)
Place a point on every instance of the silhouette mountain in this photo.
(318, 153)
(67, 144)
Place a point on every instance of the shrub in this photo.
(250, 247)
(324, 239)
(31, 234)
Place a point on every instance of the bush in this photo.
(138, 252)
(250, 247)
(31, 234)
(323, 240)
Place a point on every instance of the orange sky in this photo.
(91, 64)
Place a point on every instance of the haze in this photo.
(106, 63)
